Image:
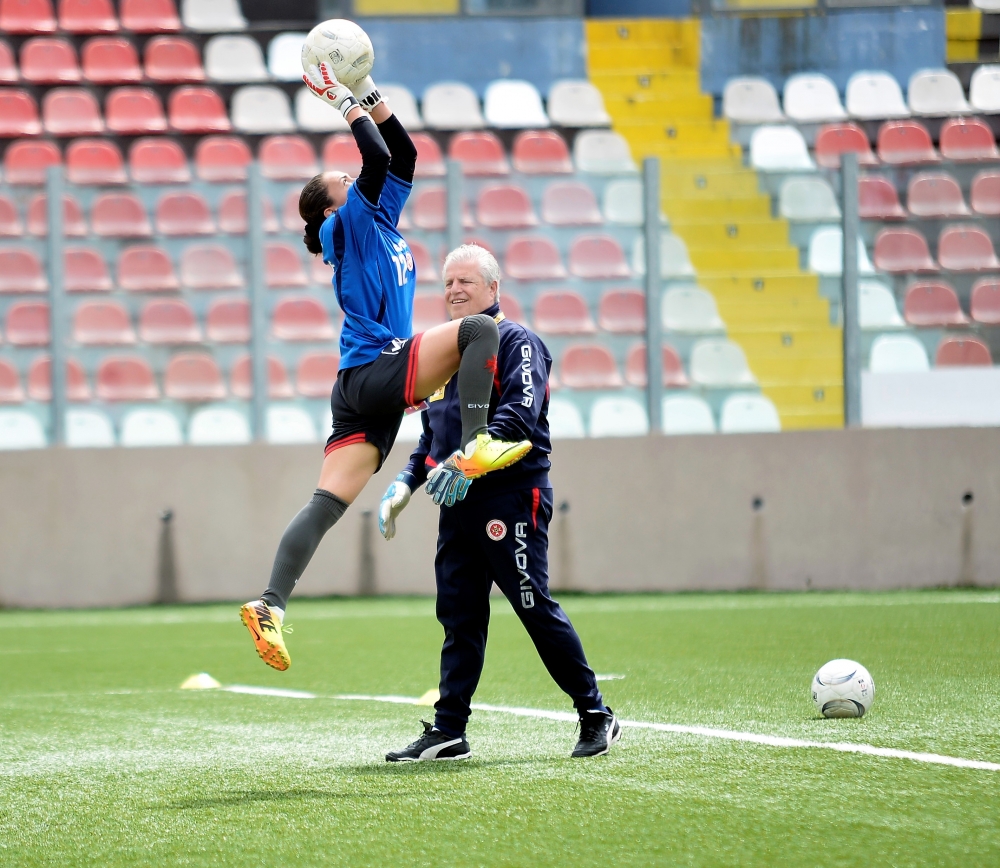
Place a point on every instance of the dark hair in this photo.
(313, 201)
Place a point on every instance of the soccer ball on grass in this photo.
(343, 46)
(843, 688)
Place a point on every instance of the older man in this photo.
(494, 530)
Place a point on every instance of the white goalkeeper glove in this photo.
(394, 501)
(366, 93)
(324, 85)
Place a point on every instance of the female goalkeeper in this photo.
(383, 369)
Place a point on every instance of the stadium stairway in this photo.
(648, 73)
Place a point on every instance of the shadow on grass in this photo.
(437, 768)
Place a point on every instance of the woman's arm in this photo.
(401, 147)
(374, 157)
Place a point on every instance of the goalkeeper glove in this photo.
(366, 93)
(447, 486)
(394, 501)
(324, 85)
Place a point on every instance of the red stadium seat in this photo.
(84, 270)
(933, 303)
(570, 203)
(340, 153)
(541, 153)
(428, 311)
(119, 215)
(430, 209)
(290, 220)
(505, 206)
(673, 369)
(563, 312)
(966, 248)
(533, 257)
(158, 161)
(423, 264)
(134, 110)
(184, 214)
(511, 308)
(193, 377)
(955, 351)
(209, 267)
(902, 250)
(49, 60)
(985, 193)
(222, 158)
(287, 158)
(301, 319)
(967, 139)
(40, 380)
(8, 65)
(149, 16)
(21, 271)
(905, 143)
(233, 214)
(10, 384)
(168, 321)
(481, 154)
(589, 366)
(986, 301)
(283, 267)
(935, 194)
(126, 378)
(198, 110)
(27, 16)
(73, 223)
(833, 140)
(110, 60)
(145, 268)
(173, 60)
(102, 323)
(92, 161)
(597, 257)
(320, 273)
(10, 220)
(316, 374)
(228, 321)
(18, 114)
(71, 111)
(26, 162)
(28, 324)
(622, 311)
(87, 16)
(241, 379)
(430, 160)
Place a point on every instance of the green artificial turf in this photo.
(105, 762)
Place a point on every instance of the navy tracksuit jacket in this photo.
(499, 533)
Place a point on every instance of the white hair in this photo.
(489, 268)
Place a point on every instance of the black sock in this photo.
(478, 342)
(299, 543)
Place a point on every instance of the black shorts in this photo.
(368, 401)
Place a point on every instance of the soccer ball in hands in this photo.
(343, 46)
(843, 688)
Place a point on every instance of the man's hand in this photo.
(366, 93)
(447, 486)
(394, 501)
(324, 85)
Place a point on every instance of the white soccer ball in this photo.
(843, 688)
(344, 46)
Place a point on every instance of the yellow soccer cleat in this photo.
(484, 455)
(265, 628)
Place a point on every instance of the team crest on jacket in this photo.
(496, 530)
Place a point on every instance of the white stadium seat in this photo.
(811, 97)
(779, 149)
(452, 105)
(289, 424)
(720, 363)
(686, 414)
(751, 100)
(674, 259)
(152, 426)
(218, 426)
(411, 428)
(262, 108)
(623, 205)
(514, 105)
(565, 421)
(986, 5)
(877, 306)
(875, 96)
(19, 429)
(743, 414)
(284, 56)
(936, 92)
(212, 16)
(403, 104)
(234, 59)
(808, 200)
(618, 416)
(314, 117)
(897, 354)
(603, 152)
(88, 429)
(984, 89)
(690, 309)
(577, 103)
(826, 253)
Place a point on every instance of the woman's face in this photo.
(337, 185)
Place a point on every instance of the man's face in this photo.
(465, 291)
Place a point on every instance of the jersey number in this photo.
(403, 260)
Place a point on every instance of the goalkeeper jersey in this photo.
(374, 276)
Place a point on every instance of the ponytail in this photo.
(313, 201)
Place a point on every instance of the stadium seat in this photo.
(301, 319)
(221, 158)
(158, 161)
(968, 140)
(984, 89)
(134, 110)
(826, 253)
(933, 303)
(589, 366)
(935, 194)
(212, 16)
(673, 369)
(8, 65)
(84, 270)
(18, 114)
(26, 162)
(283, 267)
(570, 203)
(340, 153)
(27, 16)
(562, 312)
(183, 214)
(430, 209)
(49, 60)
(903, 250)
(193, 377)
(233, 214)
(173, 60)
(779, 149)
(428, 311)
(622, 311)
(985, 193)
(287, 158)
(289, 424)
(597, 257)
(40, 380)
(149, 16)
(198, 110)
(877, 306)
(602, 152)
(241, 379)
(19, 429)
(262, 108)
(452, 105)
(209, 267)
(284, 57)
(833, 140)
(152, 426)
(966, 248)
(28, 324)
(119, 215)
(511, 308)
(92, 161)
(126, 378)
(891, 354)
(962, 351)
(168, 321)
(720, 363)
(145, 268)
(316, 374)
(674, 259)
(686, 414)
(811, 98)
(505, 206)
(430, 160)
(613, 416)
(423, 264)
(10, 220)
(533, 257)
(88, 429)
(228, 321)
(565, 421)
(312, 116)
(874, 96)
(541, 152)
(21, 271)
(751, 100)
(748, 413)
(234, 60)
(481, 154)
(218, 426)
(905, 143)
(623, 203)
(403, 103)
(808, 200)
(102, 323)
(986, 301)
(87, 16)
(936, 93)
(577, 103)
(878, 200)
(71, 111)
(690, 309)
(513, 105)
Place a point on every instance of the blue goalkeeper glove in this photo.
(394, 501)
(446, 486)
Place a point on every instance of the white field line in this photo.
(269, 691)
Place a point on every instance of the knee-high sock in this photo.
(478, 342)
(299, 543)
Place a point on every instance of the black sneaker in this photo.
(432, 745)
(598, 731)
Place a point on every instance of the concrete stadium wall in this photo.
(794, 511)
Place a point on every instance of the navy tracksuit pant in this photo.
(502, 539)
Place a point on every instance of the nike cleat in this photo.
(432, 745)
(484, 455)
(265, 628)
(598, 731)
